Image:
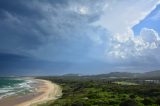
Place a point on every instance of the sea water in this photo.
(14, 86)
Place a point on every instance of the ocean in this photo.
(15, 86)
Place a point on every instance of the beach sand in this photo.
(45, 91)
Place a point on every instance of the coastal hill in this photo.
(151, 74)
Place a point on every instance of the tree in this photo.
(158, 101)
(147, 101)
(132, 96)
(129, 102)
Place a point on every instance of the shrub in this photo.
(132, 96)
(158, 101)
(129, 102)
(147, 101)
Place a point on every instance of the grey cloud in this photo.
(61, 32)
(29, 24)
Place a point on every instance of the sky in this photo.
(44, 37)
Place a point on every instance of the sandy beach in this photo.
(45, 91)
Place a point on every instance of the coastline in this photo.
(44, 92)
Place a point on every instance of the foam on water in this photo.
(15, 87)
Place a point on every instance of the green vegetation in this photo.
(82, 91)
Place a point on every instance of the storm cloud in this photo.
(68, 36)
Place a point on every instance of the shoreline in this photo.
(45, 91)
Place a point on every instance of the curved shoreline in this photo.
(46, 91)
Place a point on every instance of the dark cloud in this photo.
(55, 36)
(18, 8)
(57, 31)
(27, 25)
(12, 64)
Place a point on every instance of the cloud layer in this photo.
(82, 33)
